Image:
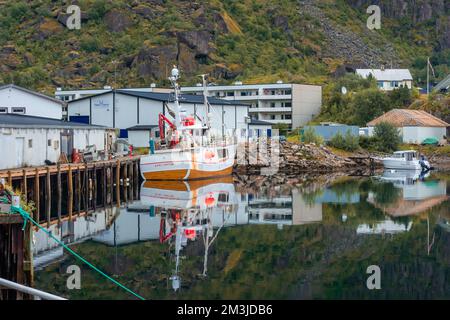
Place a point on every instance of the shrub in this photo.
(310, 136)
(367, 143)
(89, 43)
(387, 138)
(347, 142)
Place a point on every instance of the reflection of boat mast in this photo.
(176, 281)
(429, 245)
(207, 234)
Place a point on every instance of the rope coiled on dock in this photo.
(27, 217)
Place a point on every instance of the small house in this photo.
(20, 101)
(27, 141)
(139, 136)
(388, 79)
(414, 125)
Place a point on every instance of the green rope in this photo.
(26, 216)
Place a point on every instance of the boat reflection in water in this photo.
(407, 193)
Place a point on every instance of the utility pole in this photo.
(428, 77)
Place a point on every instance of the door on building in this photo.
(20, 150)
(67, 143)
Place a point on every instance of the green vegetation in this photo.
(347, 142)
(362, 103)
(310, 136)
(386, 138)
(252, 40)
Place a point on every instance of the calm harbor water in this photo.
(222, 240)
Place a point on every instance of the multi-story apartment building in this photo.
(278, 103)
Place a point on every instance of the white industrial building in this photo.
(388, 79)
(123, 109)
(139, 136)
(20, 101)
(414, 125)
(28, 141)
(277, 103)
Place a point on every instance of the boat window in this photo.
(223, 197)
(222, 153)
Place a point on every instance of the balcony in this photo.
(277, 121)
(271, 110)
(265, 97)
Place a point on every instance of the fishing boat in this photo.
(191, 149)
(406, 160)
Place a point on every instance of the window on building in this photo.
(157, 134)
(273, 117)
(395, 84)
(380, 84)
(288, 117)
(288, 104)
(288, 92)
(3, 110)
(230, 94)
(272, 105)
(18, 110)
(30, 143)
(49, 143)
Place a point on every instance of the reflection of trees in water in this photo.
(407, 272)
(384, 192)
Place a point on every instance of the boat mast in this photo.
(205, 101)
(175, 75)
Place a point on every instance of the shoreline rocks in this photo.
(301, 158)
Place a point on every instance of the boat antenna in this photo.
(175, 75)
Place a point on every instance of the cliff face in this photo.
(137, 42)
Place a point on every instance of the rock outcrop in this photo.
(296, 158)
(117, 21)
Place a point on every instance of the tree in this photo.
(401, 97)
(368, 105)
(387, 137)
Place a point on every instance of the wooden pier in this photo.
(68, 190)
(60, 193)
(16, 255)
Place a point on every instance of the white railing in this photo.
(27, 290)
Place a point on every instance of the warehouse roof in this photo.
(167, 97)
(254, 122)
(142, 127)
(41, 95)
(409, 118)
(23, 121)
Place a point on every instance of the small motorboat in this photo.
(406, 160)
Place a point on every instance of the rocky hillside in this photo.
(135, 43)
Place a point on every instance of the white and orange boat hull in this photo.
(189, 164)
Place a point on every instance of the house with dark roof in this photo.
(414, 125)
(124, 109)
(21, 101)
(443, 86)
(28, 141)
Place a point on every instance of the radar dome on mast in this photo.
(175, 73)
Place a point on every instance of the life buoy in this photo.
(209, 200)
(209, 155)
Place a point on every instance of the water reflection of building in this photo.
(82, 228)
(384, 227)
(412, 193)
